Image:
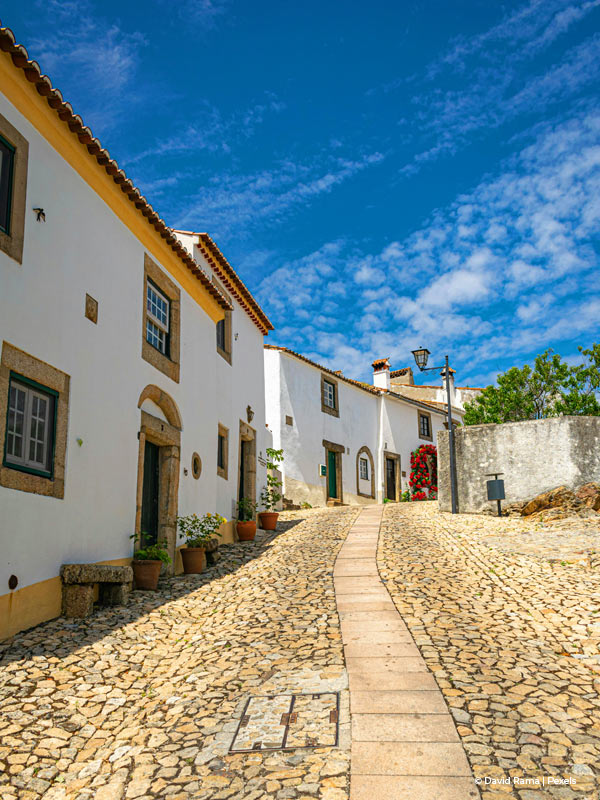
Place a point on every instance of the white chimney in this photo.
(381, 373)
(452, 389)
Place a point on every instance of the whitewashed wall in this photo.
(293, 387)
(83, 247)
(400, 433)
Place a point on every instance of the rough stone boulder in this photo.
(555, 498)
(589, 494)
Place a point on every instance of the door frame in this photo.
(247, 434)
(338, 449)
(394, 457)
(168, 439)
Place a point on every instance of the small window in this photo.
(364, 469)
(424, 426)
(222, 451)
(221, 334)
(289, 420)
(7, 165)
(30, 427)
(329, 394)
(157, 319)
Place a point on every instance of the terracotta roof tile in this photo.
(64, 111)
(231, 280)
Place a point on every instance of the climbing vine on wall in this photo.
(423, 473)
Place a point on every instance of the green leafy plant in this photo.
(405, 497)
(270, 495)
(305, 505)
(386, 500)
(150, 551)
(549, 389)
(246, 509)
(197, 531)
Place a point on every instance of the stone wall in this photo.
(534, 456)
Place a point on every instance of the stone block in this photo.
(95, 573)
(78, 600)
(114, 594)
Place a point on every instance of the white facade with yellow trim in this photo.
(73, 317)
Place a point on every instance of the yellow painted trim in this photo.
(32, 605)
(23, 95)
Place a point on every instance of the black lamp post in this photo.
(421, 357)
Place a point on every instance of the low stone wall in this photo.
(535, 456)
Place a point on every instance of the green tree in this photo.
(549, 389)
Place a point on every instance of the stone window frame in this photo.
(427, 415)
(223, 472)
(17, 362)
(335, 411)
(339, 450)
(225, 352)
(168, 365)
(11, 243)
(365, 451)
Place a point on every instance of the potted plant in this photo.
(147, 562)
(197, 532)
(270, 495)
(246, 524)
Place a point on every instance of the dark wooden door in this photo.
(331, 474)
(243, 465)
(390, 478)
(150, 494)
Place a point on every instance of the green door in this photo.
(331, 474)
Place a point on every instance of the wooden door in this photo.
(331, 474)
(390, 479)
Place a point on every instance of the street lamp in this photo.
(421, 357)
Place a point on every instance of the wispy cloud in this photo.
(497, 273)
(236, 202)
(99, 58)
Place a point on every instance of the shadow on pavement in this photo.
(62, 637)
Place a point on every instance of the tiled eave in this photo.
(84, 135)
(231, 280)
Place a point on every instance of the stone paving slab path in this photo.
(404, 740)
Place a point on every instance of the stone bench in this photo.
(78, 582)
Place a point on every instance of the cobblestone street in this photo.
(512, 639)
(144, 702)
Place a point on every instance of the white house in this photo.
(344, 441)
(131, 370)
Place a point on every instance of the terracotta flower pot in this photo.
(145, 574)
(193, 560)
(268, 520)
(246, 530)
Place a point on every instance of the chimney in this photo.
(452, 389)
(381, 373)
(403, 377)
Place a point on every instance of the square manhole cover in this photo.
(287, 721)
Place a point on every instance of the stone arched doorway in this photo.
(365, 486)
(158, 468)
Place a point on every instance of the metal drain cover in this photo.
(287, 721)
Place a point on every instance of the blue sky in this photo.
(383, 175)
